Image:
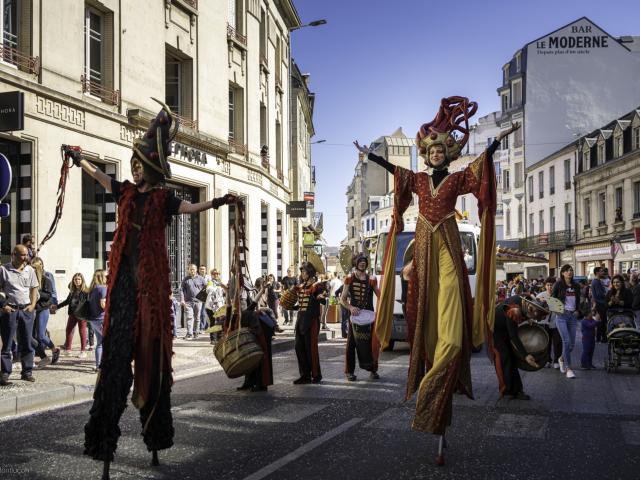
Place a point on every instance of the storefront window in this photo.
(19, 198)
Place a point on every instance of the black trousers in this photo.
(17, 324)
(509, 364)
(306, 344)
(601, 329)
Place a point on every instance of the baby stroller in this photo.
(623, 340)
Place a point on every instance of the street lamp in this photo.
(315, 23)
(318, 141)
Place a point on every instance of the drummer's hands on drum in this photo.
(531, 361)
(362, 148)
(354, 311)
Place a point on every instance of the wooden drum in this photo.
(288, 299)
(239, 353)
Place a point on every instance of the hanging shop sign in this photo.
(5, 184)
(297, 209)
(11, 111)
(309, 197)
(308, 239)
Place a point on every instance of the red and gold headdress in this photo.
(452, 117)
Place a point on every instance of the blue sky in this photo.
(382, 64)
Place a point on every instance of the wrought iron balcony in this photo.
(187, 122)
(233, 34)
(24, 62)
(558, 240)
(107, 95)
(237, 147)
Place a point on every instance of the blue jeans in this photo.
(42, 319)
(566, 323)
(97, 329)
(18, 323)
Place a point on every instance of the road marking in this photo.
(631, 432)
(395, 418)
(521, 426)
(304, 449)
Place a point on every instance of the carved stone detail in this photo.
(59, 111)
(129, 134)
(255, 177)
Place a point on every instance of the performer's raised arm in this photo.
(188, 207)
(388, 166)
(97, 174)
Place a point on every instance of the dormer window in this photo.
(518, 62)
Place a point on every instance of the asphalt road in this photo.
(587, 428)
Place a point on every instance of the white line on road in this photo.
(307, 447)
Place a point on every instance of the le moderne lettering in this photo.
(580, 41)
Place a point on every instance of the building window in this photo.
(179, 86)
(10, 24)
(567, 174)
(16, 22)
(463, 203)
(567, 216)
(531, 227)
(264, 123)
(517, 138)
(587, 212)
(552, 219)
(98, 55)
(278, 62)
(98, 218)
(516, 95)
(353, 231)
(235, 15)
(518, 181)
(552, 180)
(540, 184)
(530, 188)
(505, 143)
(505, 103)
(264, 237)
(507, 220)
(518, 62)
(236, 118)
(602, 209)
(505, 74)
(618, 199)
(506, 184)
(352, 212)
(520, 219)
(636, 138)
(586, 160)
(263, 37)
(279, 149)
(601, 153)
(636, 199)
(541, 221)
(619, 146)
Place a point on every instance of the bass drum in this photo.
(288, 299)
(535, 340)
(362, 335)
(239, 353)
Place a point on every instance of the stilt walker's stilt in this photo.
(442, 444)
(105, 470)
(154, 458)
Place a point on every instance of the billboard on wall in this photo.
(578, 78)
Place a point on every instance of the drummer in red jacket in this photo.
(357, 296)
(509, 315)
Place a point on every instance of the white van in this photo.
(469, 237)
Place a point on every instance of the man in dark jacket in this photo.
(598, 294)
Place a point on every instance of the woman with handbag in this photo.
(77, 303)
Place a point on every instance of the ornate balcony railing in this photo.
(187, 122)
(24, 62)
(237, 147)
(235, 35)
(105, 94)
(558, 240)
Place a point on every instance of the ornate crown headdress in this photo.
(453, 117)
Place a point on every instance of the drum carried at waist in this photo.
(362, 335)
(239, 353)
(535, 340)
(288, 299)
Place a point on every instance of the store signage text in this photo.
(11, 111)
(189, 154)
(5, 184)
(297, 209)
(572, 44)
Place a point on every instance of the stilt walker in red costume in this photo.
(443, 324)
(137, 325)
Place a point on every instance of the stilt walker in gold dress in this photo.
(443, 322)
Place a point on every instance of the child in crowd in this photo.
(588, 328)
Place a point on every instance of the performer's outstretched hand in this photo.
(514, 126)
(362, 148)
(230, 198)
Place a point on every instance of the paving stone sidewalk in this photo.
(72, 379)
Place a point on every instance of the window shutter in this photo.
(107, 51)
(25, 22)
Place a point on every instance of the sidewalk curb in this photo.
(68, 394)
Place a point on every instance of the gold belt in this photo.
(433, 228)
